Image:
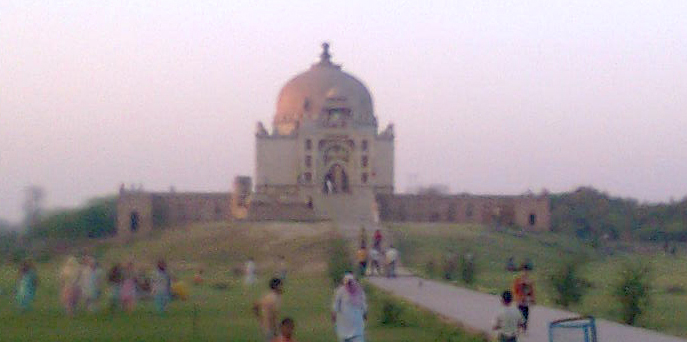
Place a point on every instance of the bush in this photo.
(430, 268)
(450, 267)
(633, 291)
(568, 286)
(340, 260)
(391, 314)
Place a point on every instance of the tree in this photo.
(33, 204)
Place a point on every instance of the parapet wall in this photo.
(141, 212)
(277, 211)
(526, 211)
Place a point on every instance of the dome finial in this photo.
(325, 57)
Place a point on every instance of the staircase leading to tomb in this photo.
(349, 211)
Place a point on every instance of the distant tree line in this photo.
(94, 220)
(591, 214)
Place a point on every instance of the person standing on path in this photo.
(349, 311)
(508, 320)
(162, 284)
(361, 255)
(26, 289)
(391, 261)
(523, 287)
(375, 260)
(267, 309)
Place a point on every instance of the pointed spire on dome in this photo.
(325, 57)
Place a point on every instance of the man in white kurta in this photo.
(349, 311)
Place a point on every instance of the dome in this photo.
(323, 87)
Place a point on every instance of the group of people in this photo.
(381, 262)
(349, 312)
(128, 286)
(82, 282)
(512, 319)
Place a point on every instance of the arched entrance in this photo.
(335, 180)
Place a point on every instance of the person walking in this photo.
(391, 261)
(267, 309)
(70, 277)
(349, 310)
(508, 320)
(375, 262)
(26, 289)
(523, 288)
(361, 256)
(161, 287)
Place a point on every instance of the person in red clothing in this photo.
(523, 288)
(286, 331)
(378, 240)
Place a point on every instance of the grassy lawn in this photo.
(420, 243)
(213, 314)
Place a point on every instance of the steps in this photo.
(349, 210)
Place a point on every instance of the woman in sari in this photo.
(26, 289)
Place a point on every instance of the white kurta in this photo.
(349, 315)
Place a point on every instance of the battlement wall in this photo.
(526, 211)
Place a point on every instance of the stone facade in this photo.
(526, 211)
(142, 212)
(324, 144)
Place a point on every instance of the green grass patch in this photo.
(220, 308)
(423, 244)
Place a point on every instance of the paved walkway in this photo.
(476, 310)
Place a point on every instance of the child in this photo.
(286, 330)
(267, 309)
(507, 322)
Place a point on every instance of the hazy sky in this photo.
(486, 98)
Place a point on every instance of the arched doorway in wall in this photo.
(335, 180)
(134, 221)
